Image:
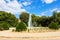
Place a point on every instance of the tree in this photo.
(44, 21)
(6, 26)
(21, 27)
(56, 17)
(24, 16)
(8, 18)
(1, 27)
(53, 25)
(35, 20)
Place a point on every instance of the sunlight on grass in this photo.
(41, 29)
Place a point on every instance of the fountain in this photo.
(29, 22)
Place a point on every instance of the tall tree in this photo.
(56, 17)
(35, 20)
(24, 16)
(8, 18)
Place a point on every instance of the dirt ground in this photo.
(30, 36)
(8, 35)
(7, 38)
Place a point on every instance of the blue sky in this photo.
(37, 7)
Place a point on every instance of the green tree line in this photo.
(40, 20)
(37, 21)
(8, 18)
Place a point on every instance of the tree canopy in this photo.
(8, 18)
(41, 20)
(24, 16)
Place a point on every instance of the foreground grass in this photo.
(41, 29)
(34, 30)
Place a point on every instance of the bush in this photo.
(6, 26)
(1, 27)
(59, 26)
(21, 27)
(54, 25)
(40, 25)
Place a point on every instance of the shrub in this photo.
(53, 25)
(40, 25)
(1, 27)
(21, 27)
(6, 26)
(59, 26)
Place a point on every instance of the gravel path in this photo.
(7, 35)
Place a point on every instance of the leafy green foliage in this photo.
(53, 25)
(56, 17)
(35, 20)
(46, 20)
(4, 26)
(8, 18)
(24, 16)
(59, 26)
(1, 27)
(21, 27)
(40, 25)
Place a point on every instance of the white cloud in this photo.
(48, 1)
(13, 7)
(58, 10)
(26, 3)
(43, 13)
(49, 11)
(54, 9)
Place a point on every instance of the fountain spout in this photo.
(29, 22)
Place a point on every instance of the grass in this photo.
(37, 29)
(40, 29)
